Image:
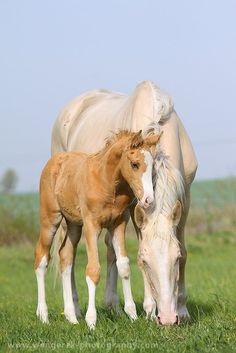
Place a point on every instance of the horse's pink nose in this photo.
(168, 320)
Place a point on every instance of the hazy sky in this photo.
(53, 50)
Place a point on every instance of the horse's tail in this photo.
(55, 261)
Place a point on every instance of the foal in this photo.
(93, 191)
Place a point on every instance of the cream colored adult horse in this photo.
(83, 125)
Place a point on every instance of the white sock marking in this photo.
(69, 308)
(42, 310)
(91, 314)
(124, 272)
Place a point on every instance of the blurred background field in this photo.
(213, 209)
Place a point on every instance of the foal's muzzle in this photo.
(146, 202)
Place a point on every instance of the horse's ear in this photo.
(153, 139)
(137, 140)
(176, 213)
(140, 217)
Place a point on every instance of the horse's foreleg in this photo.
(182, 295)
(48, 227)
(92, 271)
(111, 297)
(149, 304)
(67, 257)
(124, 269)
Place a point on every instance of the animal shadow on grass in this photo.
(198, 310)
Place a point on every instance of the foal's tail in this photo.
(55, 259)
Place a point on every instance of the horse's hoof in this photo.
(183, 314)
(78, 313)
(130, 310)
(70, 316)
(150, 310)
(91, 321)
(42, 313)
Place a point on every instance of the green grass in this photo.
(211, 273)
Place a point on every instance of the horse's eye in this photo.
(134, 165)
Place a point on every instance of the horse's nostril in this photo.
(177, 320)
(149, 200)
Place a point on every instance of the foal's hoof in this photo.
(130, 310)
(42, 313)
(91, 320)
(70, 316)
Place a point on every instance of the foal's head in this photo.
(136, 166)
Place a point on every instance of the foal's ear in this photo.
(140, 217)
(153, 139)
(137, 140)
(176, 213)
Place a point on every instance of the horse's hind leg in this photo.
(49, 222)
(73, 283)
(67, 261)
(111, 297)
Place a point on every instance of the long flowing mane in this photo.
(169, 183)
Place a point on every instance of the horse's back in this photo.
(91, 111)
(88, 120)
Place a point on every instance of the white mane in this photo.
(163, 104)
(169, 183)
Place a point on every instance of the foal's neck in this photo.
(109, 167)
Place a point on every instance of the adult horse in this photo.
(83, 125)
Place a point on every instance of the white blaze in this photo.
(147, 179)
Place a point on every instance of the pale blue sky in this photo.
(51, 51)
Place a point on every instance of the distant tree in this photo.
(9, 181)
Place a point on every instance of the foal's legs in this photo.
(49, 222)
(111, 297)
(124, 268)
(67, 258)
(92, 270)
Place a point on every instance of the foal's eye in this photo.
(135, 165)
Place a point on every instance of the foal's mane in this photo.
(111, 140)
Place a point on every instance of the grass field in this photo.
(211, 273)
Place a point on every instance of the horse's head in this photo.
(159, 254)
(136, 166)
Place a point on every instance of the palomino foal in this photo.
(93, 191)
